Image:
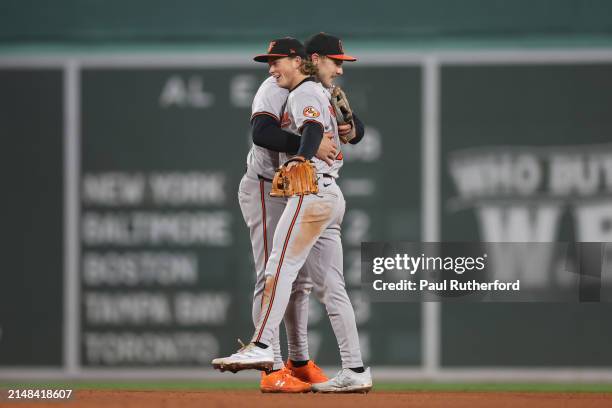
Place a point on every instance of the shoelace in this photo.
(342, 377)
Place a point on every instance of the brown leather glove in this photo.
(344, 114)
(299, 179)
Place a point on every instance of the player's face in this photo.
(328, 70)
(284, 70)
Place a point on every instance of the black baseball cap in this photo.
(328, 45)
(283, 47)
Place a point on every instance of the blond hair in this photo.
(308, 67)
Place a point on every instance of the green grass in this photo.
(384, 386)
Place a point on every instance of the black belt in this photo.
(260, 177)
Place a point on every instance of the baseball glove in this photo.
(300, 179)
(344, 114)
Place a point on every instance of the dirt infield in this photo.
(251, 399)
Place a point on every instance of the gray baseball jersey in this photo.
(308, 235)
(309, 102)
(269, 100)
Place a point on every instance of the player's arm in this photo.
(356, 128)
(306, 111)
(312, 134)
(359, 130)
(266, 132)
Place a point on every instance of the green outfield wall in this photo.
(122, 190)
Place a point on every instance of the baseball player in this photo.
(310, 223)
(261, 213)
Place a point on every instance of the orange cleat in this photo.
(310, 373)
(282, 381)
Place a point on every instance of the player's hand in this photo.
(327, 149)
(346, 129)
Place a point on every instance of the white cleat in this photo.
(249, 357)
(346, 381)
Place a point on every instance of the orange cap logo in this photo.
(340, 46)
(272, 44)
